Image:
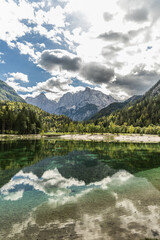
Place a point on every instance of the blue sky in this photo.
(65, 45)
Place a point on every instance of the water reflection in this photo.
(77, 191)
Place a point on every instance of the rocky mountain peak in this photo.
(87, 89)
(42, 96)
(77, 106)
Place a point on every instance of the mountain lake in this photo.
(63, 190)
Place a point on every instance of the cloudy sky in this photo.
(59, 46)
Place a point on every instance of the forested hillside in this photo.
(115, 107)
(23, 118)
(141, 117)
(8, 94)
(143, 113)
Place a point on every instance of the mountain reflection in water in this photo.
(79, 190)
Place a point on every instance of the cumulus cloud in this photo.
(110, 51)
(101, 37)
(57, 60)
(137, 15)
(107, 16)
(53, 85)
(16, 86)
(97, 73)
(24, 18)
(61, 61)
(54, 88)
(12, 79)
(41, 45)
(136, 82)
(27, 48)
(18, 76)
(114, 36)
(10, 21)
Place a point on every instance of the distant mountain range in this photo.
(77, 106)
(7, 93)
(94, 105)
(42, 102)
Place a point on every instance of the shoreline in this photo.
(106, 137)
(5, 137)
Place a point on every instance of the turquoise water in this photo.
(54, 189)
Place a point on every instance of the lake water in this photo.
(53, 189)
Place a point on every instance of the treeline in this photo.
(110, 127)
(142, 117)
(144, 113)
(23, 118)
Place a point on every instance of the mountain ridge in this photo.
(71, 104)
(154, 91)
(113, 107)
(7, 93)
(42, 102)
(145, 112)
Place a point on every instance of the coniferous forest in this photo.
(136, 115)
(22, 118)
(141, 117)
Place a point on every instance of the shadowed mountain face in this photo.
(78, 106)
(8, 94)
(115, 106)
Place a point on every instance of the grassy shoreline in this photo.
(106, 137)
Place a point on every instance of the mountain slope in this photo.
(114, 107)
(88, 96)
(144, 112)
(80, 114)
(154, 91)
(8, 94)
(74, 105)
(24, 118)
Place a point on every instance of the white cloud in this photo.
(11, 15)
(16, 86)
(18, 76)
(41, 45)
(55, 17)
(118, 34)
(12, 78)
(28, 49)
(54, 87)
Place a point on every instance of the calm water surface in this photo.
(52, 189)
